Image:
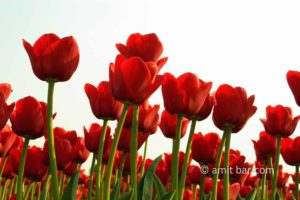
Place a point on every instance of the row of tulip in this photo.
(117, 171)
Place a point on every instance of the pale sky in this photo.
(251, 44)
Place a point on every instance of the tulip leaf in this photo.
(115, 193)
(277, 197)
(168, 196)
(252, 195)
(159, 187)
(146, 183)
(239, 198)
(70, 192)
(127, 196)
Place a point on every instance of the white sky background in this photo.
(243, 43)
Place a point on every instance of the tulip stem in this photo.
(194, 188)
(99, 159)
(226, 164)
(91, 177)
(186, 159)
(62, 182)
(217, 165)
(112, 152)
(297, 182)
(274, 182)
(144, 158)
(202, 187)
(133, 150)
(33, 191)
(263, 184)
(21, 170)
(52, 156)
(2, 167)
(175, 162)
(122, 165)
(4, 191)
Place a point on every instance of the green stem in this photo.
(21, 170)
(91, 177)
(226, 164)
(122, 165)
(4, 191)
(218, 161)
(175, 162)
(133, 150)
(112, 152)
(144, 158)
(62, 182)
(28, 189)
(99, 159)
(45, 188)
(2, 167)
(274, 182)
(12, 185)
(186, 159)
(32, 191)
(39, 190)
(202, 187)
(52, 157)
(263, 184)
(297, 183)
(194, 188)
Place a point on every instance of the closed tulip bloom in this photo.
(133, 80)
(81, 153)
(148, 118)
(187, 194)
(264, 147)
(194, 174)
(280, 121)
(92, 137)
(7, 140)
(185, 94)
(206, 108)
(102, 103)
(124, 142)
(289, 149)
(232, 108)
(245, 191)
(53, 58)
(5, 110)
(293, 79)
(205, 148)
(29, 118)
(168, 123)
(148, 47)
(34, 167)
(64, 147)
(70, 169)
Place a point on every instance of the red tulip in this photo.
(206, 108)
(133, 80)
(168, 123)
(81, 153)
(253, 181)
(5, 110)
(92, 137)
(8, 171)
(148, 47)
(265, 147)
(7, 140)
(245, 191)
(168, 159)
(148, 118)
(83, 178)
(208, 185)
(280, 121)
(102, 103)
(289, 149)
(232, 107)
(64, 147)
(293, 79)
(187, 194)
(53, 58)
(184, 95)
(70, 169)
(260, 170)
(282, 178)
(34, 168)
(194, 174)
(29, 118)
(204, 148)
(233, 191)
(124, 142)
(161, 170)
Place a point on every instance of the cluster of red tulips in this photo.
(117, 171)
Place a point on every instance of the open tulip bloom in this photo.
(207, 169)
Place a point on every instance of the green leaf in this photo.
(70, 192)
(239, 198)
(168, 196)
(252, 195)
(127, 196)
(159, 187)
(277, 197)
(115, 193)
(146, 184)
